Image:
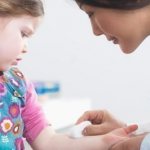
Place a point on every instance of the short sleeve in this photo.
(145, 145)
(33, 116)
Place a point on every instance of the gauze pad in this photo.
(76, 131)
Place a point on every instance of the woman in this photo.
(126, 23)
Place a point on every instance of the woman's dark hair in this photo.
(116, 4)
(21, 7)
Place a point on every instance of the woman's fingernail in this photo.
(84, 132)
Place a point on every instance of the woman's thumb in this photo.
(95, 130)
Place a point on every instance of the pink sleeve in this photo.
(32, 114)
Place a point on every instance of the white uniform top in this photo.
(145, 145)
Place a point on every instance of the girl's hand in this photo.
(102, 122)
(132, 143)
(118, 135)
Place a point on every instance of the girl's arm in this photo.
(133, 143)
(49, 140)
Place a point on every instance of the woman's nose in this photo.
(96, 29)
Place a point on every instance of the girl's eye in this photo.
(24, 34)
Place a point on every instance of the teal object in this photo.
(42, 87)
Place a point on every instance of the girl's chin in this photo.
(4, 68)
(14, 63)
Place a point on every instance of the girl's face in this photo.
(126, 28)
(14, 33)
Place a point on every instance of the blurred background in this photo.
(87, 70)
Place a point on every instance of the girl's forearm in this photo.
(49, 140)
(63, 142)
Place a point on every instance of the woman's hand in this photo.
(102, 122)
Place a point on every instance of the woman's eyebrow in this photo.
(80, 5)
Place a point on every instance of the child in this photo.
(20, 114)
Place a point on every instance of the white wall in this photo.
(65, 50)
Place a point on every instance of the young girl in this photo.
(126, 23)
(20, 114)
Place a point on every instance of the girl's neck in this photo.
(1, 73)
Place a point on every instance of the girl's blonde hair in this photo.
(21, 7)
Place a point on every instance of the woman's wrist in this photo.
(145, 145)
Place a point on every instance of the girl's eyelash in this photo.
(24, 34)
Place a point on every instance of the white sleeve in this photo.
(145, 145)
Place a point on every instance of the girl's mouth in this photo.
(15, 62)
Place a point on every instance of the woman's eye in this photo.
(90, 14)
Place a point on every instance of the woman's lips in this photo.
(113, 39)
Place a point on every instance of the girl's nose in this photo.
(25, 49)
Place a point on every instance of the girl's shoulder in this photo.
(15, 82)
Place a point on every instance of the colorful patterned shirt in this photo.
(20, 113)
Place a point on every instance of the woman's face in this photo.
(122, 27)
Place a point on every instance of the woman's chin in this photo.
(130, 46)
(127, 50)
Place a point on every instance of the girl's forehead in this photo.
(22, 22)
(30, 19)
